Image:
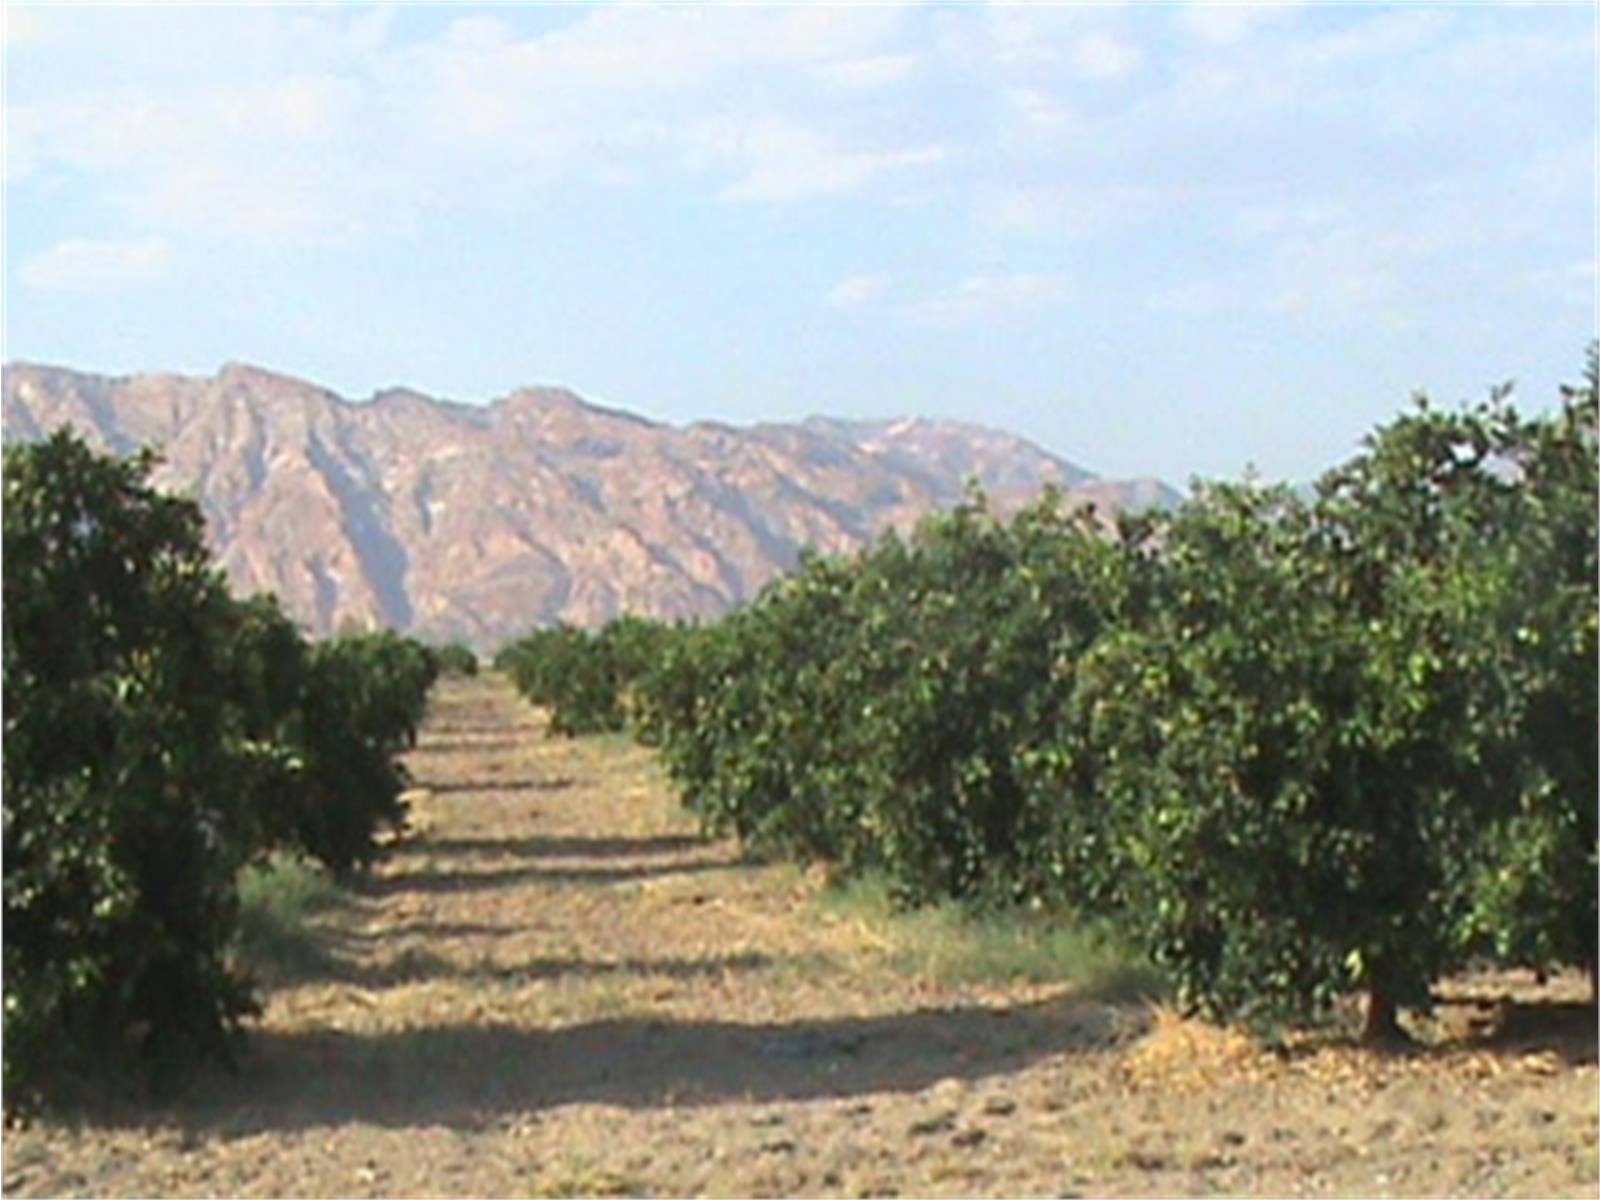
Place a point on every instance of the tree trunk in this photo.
(1383, 1019)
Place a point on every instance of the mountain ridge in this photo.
(455, 520)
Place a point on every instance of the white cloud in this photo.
(1195, 298)
(84, 263)
(294, 108)
(327, 123)
(640, 50)
(1384, 33)
(96, 137)
(1031, 115)
(865, 74)
(998, 121)
(232, 199)
(1009, 38)
(258, 156)
(1066, 211)
(987, 297)
(1219, 25)
(728, 95)
(781, 162)
(22, 27)
(856, 292)
(1573, 285)
(1103, 56)
(1386, 260)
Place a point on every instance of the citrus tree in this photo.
(571, 671)
(1297, 756)
(752, 724)
(1535, 886)
(126, 800)
(363, 700)
(159, 735)
(1208, 731)
(967, 635)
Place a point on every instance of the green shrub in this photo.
(877, 712)
(159, 737)
(1318, 766)
(586, 679)
(279, 898)
(754, 722)
(1534, 885)
(363, 701)
(126, 814)
(962, 943)
(976, 625)
(456, 659)
(570, 671)
(1292, 746)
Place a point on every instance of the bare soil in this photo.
(553, 986)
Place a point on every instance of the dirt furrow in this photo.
(553, 986)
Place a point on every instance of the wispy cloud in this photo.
(539, 177)
(858, 291)
(1019, 125)
(82, 262)
(879, 71)
(330, 123)
(22, 27)
(781, 162)
(988, 297)
(258, 156)
(1101, 55)
(1221, 25)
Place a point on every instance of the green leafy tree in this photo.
(966, 638)
(125, 821)
(159, 735)
(875, 711)
(1297, 747)
(587, 679)
(571, 671)
(457, 659)
(1216, 839)
(748, 721)
(1299, 752)
(363, 701)
(1411, 537)
(1534, 891)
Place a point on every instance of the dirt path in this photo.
(554, 987)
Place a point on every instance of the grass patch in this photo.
(955, 943)
(279, 901)
(578, 1175)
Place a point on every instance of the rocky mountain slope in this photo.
(477, 521)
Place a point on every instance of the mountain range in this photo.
(475, 522)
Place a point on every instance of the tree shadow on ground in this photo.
(1467, 1025)
(1566, 1029)
(559, 783)
(441, 730)
(567, 846)
(470, 1075)
(470, 745)
(413, 966)
(427, 929)
(432, 882)
(1518, 1012)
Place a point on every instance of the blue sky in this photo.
(1163, 239)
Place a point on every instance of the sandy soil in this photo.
(553, 987)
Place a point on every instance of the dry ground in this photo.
(554, 987)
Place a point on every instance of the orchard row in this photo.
(1293, 745)
(159, 737)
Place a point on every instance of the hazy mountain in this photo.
(477, 521)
